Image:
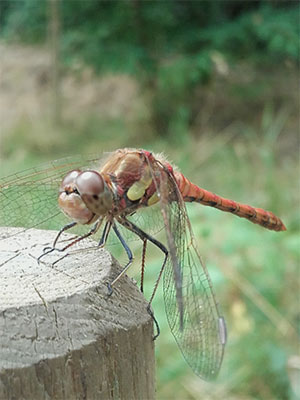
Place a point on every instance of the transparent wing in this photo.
(191, 307)
(29, 199)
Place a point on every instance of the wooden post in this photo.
(62, 337)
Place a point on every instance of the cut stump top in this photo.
(59, 328)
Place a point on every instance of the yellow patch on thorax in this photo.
(138, 189)
(153, 199)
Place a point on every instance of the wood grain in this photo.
(62, 337)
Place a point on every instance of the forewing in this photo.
(28, 199)
(190, 304)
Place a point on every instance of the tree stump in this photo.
(62, 336)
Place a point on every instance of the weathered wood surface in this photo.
(61, 336)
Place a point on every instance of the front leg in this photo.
(48, 250)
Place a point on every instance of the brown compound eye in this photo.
(90, 183)
(69, 179)
(94, 191)
(70, 201)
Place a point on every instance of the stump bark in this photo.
(61, 336)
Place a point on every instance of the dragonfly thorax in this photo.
(84, 196)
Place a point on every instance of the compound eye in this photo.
(90, 183)
(69, 179)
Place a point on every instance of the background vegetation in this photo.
(214, 85)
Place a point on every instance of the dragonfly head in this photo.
(84, 196)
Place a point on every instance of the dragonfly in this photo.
(113, 195)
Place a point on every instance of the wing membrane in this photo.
(191, 308)
(29, 199)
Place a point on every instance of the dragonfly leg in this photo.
(77, 240)
(150, 312)
(63, 229)
(144, 236)
(130, 259)
(92, 231)
(105, 233)
(143, 264)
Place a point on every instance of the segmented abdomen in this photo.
(191, 192)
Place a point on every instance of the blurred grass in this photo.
(228, 127)
(255, 272)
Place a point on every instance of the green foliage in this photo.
(168, 45)
(126, 36)
(266, 34)
(25, 20)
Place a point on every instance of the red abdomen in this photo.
(191, 192)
